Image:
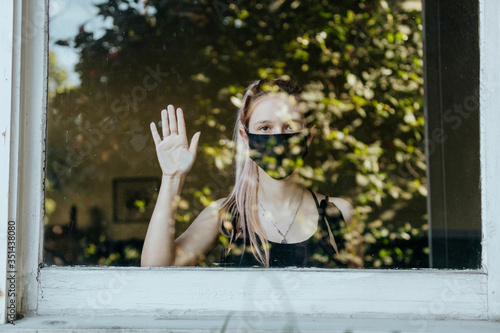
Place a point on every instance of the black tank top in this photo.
(317, 251)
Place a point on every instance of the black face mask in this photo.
(278, 154)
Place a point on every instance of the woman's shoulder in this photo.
(215, 205)
(224, 209)
(211, 211)
(218, 203)
(343, 205)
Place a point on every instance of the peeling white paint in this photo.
(490, 143)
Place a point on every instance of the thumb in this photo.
(194, 143)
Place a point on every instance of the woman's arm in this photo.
(197, 241)
(158, 249)
(200, 237)
(176, 159)
(354, 249)
(345, 208)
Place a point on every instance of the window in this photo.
(43, 291)
(361, 68)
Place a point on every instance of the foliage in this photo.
(359, 61)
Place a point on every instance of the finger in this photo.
(181, 124)
(194, 143)
(172, 121)
(154, 132)
(164, 123)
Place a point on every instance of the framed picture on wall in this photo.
(134, 198)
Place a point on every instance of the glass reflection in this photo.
(115, 64)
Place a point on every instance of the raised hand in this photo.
(175, 156)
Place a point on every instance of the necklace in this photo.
(283, 235)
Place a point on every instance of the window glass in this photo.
(114, 65)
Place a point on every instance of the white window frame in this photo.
(412, 294)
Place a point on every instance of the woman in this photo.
(283, 224)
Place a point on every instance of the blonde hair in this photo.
(242, 201)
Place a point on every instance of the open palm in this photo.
(175, 156)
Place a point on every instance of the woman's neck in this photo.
(279, 193)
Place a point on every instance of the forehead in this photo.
(275, 107)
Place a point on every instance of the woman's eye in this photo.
(293, 127)
(263, 128)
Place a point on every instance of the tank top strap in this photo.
(323, 222)
(321, 207)
(315, 199)
(322, 212)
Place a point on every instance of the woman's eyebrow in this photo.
(262, 122)
(298, 121)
